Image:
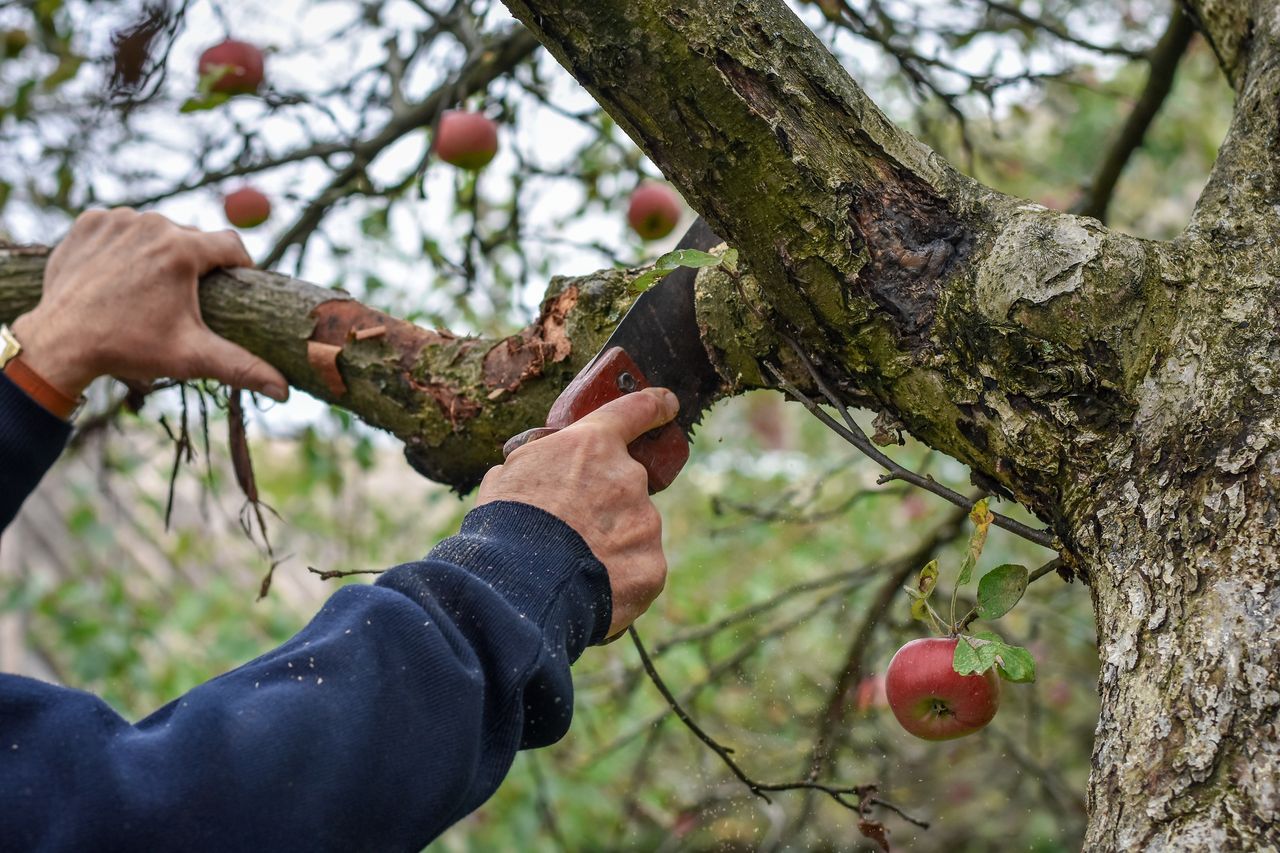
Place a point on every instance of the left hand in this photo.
(121, 298)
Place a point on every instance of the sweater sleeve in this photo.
(30, 440)
(395, 712)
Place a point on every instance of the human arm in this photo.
(120, 299)
(395, 712)
(436, 675)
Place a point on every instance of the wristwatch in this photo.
(33, 384)
(9, 346)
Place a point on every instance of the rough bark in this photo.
(1120, 388)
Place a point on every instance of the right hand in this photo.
(584, 475)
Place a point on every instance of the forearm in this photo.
(394, 713)
(30, 440)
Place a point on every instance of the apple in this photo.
(246, 207)
(466, 140)
(654, 210)
(871, 694)
(243, 64)
(933, 701)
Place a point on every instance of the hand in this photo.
(584, 476)
(120, 298)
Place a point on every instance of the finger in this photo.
(632, 415)
(219, 249)
(217, 358)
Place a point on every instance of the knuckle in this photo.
(648, 405)
(151, 219)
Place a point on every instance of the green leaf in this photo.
(1016, 664)
(1000, 589)
(204, 102)
(920, 610)
(669, 263)
(67, 68)
(979, 653)
(973, 657)
(729, 260)
(927, 580)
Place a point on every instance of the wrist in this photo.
(57, 355)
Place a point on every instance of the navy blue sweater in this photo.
(394, 713)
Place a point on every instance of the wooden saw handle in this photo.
(613, 373)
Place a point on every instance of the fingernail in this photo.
(276, 392)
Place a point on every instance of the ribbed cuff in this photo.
(31, 439)
(540, 565)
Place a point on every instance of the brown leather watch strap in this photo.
(37, 388)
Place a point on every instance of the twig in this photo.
(1062, 33)
(839, 793)
(499, 56)
(1056, 564)
(334, 573)
(853, 434)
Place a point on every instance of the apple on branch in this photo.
(933, 701)
(653, 211)
(232, 67)
(947, 687)
(246, 207)
(466, 140)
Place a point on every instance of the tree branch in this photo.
(453, 400)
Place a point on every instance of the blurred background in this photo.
(786, 556)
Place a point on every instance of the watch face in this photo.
(9, 346)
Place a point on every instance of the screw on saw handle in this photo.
(662, 451)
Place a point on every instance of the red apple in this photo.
(246, 207)
(654, 210)
(871, 694)
(243, 64)
(933, 701)
(466, 140)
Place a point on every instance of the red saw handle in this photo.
(662, 451)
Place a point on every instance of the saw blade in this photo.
(660, 332)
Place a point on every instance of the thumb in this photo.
(632, 415)
(217, 358)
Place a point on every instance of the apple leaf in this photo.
(204, 102)
(965, 659)
(979, 653)
(920, 610)
(672, 261)
(1016, 664)
(927, 580)
(981, 518)
(1000, 589)
(729, 260)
